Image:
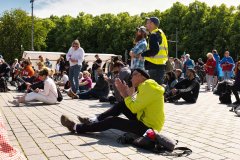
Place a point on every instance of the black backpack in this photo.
(162, 145)
(225, 92)
(3, 85)
(60, 97)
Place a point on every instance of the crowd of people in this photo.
(139, 89)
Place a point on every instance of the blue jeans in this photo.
(157, 75)
(227, 75)
(74, 77)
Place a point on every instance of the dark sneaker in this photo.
(66, 122)
(84, 120)
(236, 103)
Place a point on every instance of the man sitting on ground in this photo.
(143, 110)
(187, 89)
(123, 73)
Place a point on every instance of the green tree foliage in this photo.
(200, 29)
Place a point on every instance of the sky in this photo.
(45, 8)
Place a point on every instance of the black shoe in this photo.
(236, 103)
(84, 120)
(66, 122)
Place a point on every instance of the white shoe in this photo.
(237, 112)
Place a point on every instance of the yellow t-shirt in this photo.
(148, 104)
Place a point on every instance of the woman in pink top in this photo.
(86, 83)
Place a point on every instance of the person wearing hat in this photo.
(143, 109)
(156, 54)
(187, 89)
(137, 60)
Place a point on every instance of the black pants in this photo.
(235, 90)
(188, 97)
(110, 120)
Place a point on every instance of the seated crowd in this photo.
(136, 93)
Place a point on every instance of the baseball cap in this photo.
(142, 72)
(155, 20)
(142, 28)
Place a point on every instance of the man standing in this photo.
(189, 63)
(75, 56)
(95, 66)
(156, 54)
(141, 45)
(143, 110)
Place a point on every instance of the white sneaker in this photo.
(14, 102)
(238, 112)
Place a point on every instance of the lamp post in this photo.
(176, 42)
(31, 1)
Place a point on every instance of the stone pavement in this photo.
(207, 127)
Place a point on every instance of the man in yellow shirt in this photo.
(144, 109)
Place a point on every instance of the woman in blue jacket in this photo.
(227, 65)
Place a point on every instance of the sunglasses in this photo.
(75, 46)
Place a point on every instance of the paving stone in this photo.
(53, 152)
(37, 157)
(73, 154)
(94, 155)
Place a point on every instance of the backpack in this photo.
(60, 97)
(3, 85)
(162, 145)
(225, 92)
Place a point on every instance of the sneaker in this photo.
(236, 103)
(75, 96)
(14, 102)
(70, 93)
(238, 112)
(66, 122)
(84, 120)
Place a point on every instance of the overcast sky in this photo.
(45, 8)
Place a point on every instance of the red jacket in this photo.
(210, 66)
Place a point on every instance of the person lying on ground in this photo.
(144, 109)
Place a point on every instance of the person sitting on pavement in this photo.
(27, 69)
(179, 75)
(144, 109)
(48, 95)
(64, 79)
(187, 89)
(101, 89)
(171, 81)
(85, 84)
(236, 87)
(4, 69)
(124, 74)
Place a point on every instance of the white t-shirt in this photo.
(76, 55)
(64, 78)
